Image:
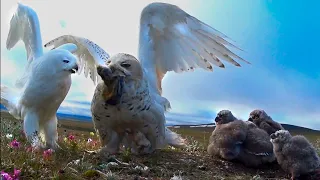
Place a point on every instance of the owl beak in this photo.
(74, 69)
(217, 119)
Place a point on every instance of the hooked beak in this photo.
(217, 119)
(250, 119)
(74, 69)
(273, 136)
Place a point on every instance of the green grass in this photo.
(73, 162)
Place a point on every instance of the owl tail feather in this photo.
(174, 139)
(10, 99)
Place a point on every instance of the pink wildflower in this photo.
(92, 142)
(47, 153)
(16, 174)
(71, 137)
(15, 144)
(5, 176)
(29, 149)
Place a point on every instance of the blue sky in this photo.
(280, 39)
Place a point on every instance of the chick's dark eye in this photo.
(65, 61)
(125, 65)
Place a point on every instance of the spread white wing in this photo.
(24, 25)
(173, 40)
(89, 53)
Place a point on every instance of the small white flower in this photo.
(9, 136)
(76, 162)
(89, 140)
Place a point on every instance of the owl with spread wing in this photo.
(128, 95)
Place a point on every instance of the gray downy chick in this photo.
(235, 139)
(295, 154)
(264, 121)
(227, 138)
(257, 148)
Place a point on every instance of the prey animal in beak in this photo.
(114, 85)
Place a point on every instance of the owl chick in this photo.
(235, 139)
(295, 154)
(257, 148)
(263, 121)
(227, 138)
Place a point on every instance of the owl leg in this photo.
(139, 143)
(154, 139)
(129, 142)
(111, 141)
(51, 134)
(31, 129)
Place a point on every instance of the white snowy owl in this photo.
(129, 94)
(45, 82)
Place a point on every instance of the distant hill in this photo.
(289, 127)
(208, 126)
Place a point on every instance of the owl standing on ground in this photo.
(295, 154)
(234, 139)
(129, 92)
(264, 121)
(44, 83)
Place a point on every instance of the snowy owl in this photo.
(129, 92)
(45, 82)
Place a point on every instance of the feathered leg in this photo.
(137, 142)
(31, 129)
(51, 134)
(111, 141)
(156, 137)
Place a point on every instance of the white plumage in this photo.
(45, 82)
(170, 40)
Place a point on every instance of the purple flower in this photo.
(29, 149)
(16, 174)
(15, 144)
(47, 153)
(5, 176)
(71, 137)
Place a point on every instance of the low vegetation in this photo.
(76, 161)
